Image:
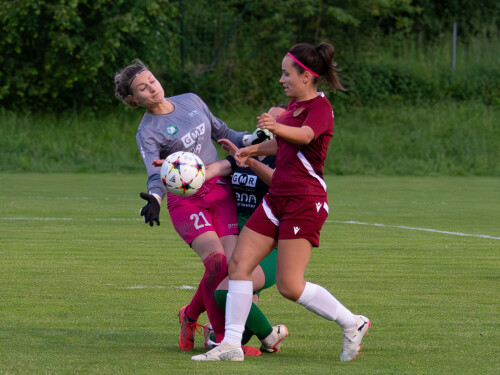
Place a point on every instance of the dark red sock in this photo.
(197, 305)
(215, 272)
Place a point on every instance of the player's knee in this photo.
(232, 266)
(215, 268)
(288, 290)
(238, 270)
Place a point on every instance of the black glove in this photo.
(151, 211)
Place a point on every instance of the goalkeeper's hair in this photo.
(124, 79)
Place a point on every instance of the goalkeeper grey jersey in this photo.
(189, 127)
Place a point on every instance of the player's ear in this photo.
(130, 100)
(306, 77)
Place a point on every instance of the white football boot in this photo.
(352, 338)
(222, 352)
(272, 343)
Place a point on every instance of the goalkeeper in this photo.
(185, 123)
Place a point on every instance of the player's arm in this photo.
(220, 129)
(263, 171)
(156, 190)
(158, 162)
(219, 168)
(300, 136)
(264, 148)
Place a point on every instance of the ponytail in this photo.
(319, 59)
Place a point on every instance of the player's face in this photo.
(290, 78)
(146, 90)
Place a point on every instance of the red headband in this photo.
(302, 65)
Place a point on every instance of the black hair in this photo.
(319, 59)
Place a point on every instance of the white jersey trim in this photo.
(310, 169)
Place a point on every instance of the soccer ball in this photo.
(183, 173)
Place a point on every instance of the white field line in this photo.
(415, 228)
(182, 287)
(67, 219)
(37, 218)
(83, 198)
(39, 197)
(328, 221)
(133, 287)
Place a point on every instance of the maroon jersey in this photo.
(299, 168)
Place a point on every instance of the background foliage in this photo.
(63, 54)
(406, 112)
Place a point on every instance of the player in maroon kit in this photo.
(293, 212)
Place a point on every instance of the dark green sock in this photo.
(257, 322)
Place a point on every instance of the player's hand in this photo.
(151, 211)
(158, 163)
(228, 146)
(266, 121)
(242, 156)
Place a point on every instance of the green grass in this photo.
(86, 287)
(445, 139)
(396, 139)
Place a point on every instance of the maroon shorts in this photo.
(284, 218)
(214, 210)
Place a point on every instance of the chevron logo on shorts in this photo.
(296, 230)
(318, 206)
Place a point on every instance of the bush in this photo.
(63, 55)
(58, 55)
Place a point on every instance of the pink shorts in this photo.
(284, 218)
(213, 209)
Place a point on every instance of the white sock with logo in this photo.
(238, 304)
(317, 299)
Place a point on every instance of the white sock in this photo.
(238, 304)
(317, 299)
(269, 340)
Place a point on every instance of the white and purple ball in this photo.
(183, 173)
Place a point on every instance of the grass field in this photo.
(450, 139)
(86, 288)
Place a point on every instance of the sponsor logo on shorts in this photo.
(232, 226)
(296, 230)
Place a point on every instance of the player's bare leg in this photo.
(293, 257)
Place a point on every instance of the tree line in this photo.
(63, 55)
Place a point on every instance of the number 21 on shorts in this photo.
(200, 220)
